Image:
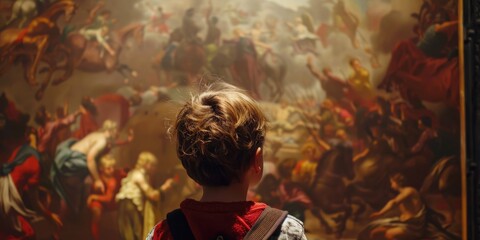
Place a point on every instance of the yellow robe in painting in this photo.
(151, 215)
(304, 172)
(360, 82)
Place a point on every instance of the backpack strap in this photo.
(179, 226)
(263, 228)
(266, 224)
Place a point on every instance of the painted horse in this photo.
(88, 56)
(387, 154)
(188, 57)
(41, 36)
(329, 192)
(272, 68)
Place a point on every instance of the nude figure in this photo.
(75, 159)
(92, 145)
(411, 218)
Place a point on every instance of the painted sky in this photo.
(292, 4)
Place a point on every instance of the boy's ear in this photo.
(258, 162)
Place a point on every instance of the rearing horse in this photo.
(329, 191)
(272, 66)
(87, 55)
(188, 58)
(42, 33)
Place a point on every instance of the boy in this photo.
(220, 135)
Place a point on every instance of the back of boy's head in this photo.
(218, 133)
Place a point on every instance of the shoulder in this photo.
(410, 190)
(291, 228)
(161, 231)
(100, 139)
(94, 135)
(137, 175)
(31, 164)
(28, 170)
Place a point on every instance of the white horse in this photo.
(23, 10)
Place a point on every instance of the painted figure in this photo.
(334, 87)
(245, 69)
(438, 79)
(360, 79)
(214, 35)
(98, 27)
(40, 36)
(99, 202)
(75, 160)
(281, 121)
(88, 123)
(339, 130)
(158, 20)
(305, 169)
(48, 129)
(415, 219)
(303, 37)
(189, 27)
(341, 92)
(135, 190)
(23, 10)
(20, 176)
(346, 21)
(278, 190)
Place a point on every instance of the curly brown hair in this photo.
(218, 133)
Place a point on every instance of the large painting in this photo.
(363, 99)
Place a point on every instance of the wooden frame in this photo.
(469, 110)
(470, 50)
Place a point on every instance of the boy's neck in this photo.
(235, 192)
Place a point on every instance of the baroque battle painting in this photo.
(362, 99)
